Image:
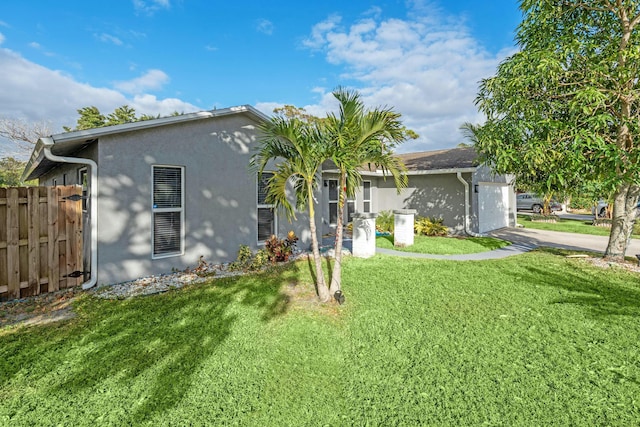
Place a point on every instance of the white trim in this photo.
(161, 210)
(337, 201)
(370, 199)
(410, 173)
(85, 191)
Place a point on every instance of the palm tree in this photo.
(295, 145)
(357, 137)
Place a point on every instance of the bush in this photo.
(385, 221)
(243, 260)
(279, 250)
(428, 226)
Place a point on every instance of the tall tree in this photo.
(358, 137)
(90, 118)
(120, 115)
(297, 148)
(566, 106)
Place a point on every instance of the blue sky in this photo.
(424, 58)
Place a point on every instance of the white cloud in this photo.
(2, 38)
(427, 67)
(34, 93)
(108, 38)
(319, 32)
(150, 6)
(265, 26)
(151, 80)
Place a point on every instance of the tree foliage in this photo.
(91, 117)
(11, 172)
(564, 110)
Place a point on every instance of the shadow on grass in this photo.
(610, 294)
(389, 238)
(155, 343)
(488, 242)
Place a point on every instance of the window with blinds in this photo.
(168, 210)
(266, 212)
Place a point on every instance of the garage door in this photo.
(493, 206)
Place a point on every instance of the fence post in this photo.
(13, 244)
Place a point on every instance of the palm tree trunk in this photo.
(624, 214)
(323, 291)
(336, 277)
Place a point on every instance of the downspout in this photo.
(93, 205)
(467, 221)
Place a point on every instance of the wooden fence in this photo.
(40, 240)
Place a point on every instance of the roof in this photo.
(454, 158)
(69, 143)
(451, 160)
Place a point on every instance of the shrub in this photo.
(385, 221)
(428, 226)
(243, 260)
(279, 250)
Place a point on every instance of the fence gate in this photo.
(40, 240)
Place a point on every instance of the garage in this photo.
(493, 206)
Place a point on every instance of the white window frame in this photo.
(264, 206)
(336, 201)
(364, 200)
(155, 210)
(84, 183)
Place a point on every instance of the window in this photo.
(366, 196)
(55, 182)
(351, 209)
(266, 212)
(168, 211)
(333, 201)
(82, 180)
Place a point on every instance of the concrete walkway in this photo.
(524, 240)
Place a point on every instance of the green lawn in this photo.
(536, 339)
(568, 225)
(444, 245)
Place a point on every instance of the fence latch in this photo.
(76, 274)
(75, 198)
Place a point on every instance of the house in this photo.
(165, 191)
(159, 194)
(447, 184)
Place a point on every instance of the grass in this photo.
(567, 225)
(444, 245)
(533, 339)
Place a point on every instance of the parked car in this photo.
(601, 209)
(533, 202)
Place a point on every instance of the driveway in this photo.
(559, 239)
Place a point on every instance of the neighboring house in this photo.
(447, 184)
(163, 192)
(168, 191)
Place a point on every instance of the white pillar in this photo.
(364, 235)
(403, 227)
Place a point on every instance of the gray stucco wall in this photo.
(437, 195)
